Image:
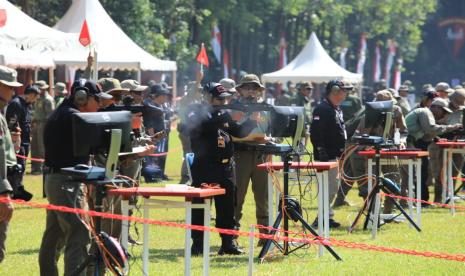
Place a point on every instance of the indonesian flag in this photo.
(216, 42)
(282, 52)
(377, 64)
(2, 17)
(226, 63)
(202, 57)
(398, 74)
(362, 54)
(389, 61)
(84, 36)
(342, 57)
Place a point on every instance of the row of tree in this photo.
(251, 29)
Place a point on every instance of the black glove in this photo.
(323, 155)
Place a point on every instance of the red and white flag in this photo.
(342, 57)
(202, 57)
(362, 54)
(2, 17)
(226, 63)
(84, 36)
(389, 61)
(216, 42)
(398, 74)
(377, 64)
(282, 51)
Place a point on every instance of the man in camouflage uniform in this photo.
(42, 109)
(60, 93)
(402, 100)
(351, 105)
(7, 154)
(423, 128)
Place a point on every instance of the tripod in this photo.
(292, 210)
(372, 201)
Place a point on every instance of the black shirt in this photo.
(157, 120)
(327, 130)
(58, 138)
(19, 113)
(208, 128)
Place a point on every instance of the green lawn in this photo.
(441, 233)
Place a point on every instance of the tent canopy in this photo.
(24, 32)
(25, 59)
(115, 50)
(312, 64)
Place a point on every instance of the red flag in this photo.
(84, 36)
(202, 57)
(2, 17)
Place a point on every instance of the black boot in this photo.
(21, 193)
(229, 247)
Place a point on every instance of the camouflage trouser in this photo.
(246, 172)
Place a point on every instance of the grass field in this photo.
(441, 233)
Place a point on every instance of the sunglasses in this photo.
(250, 86)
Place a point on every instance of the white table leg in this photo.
(410, 189)
(271, 208)
(418, 190)
(444, 175)
(370, 174)
(145, 255)
(206, 237)
(375, 216)
(187, 250)
(326, 204)
(321, 180)
(450, 181)
(124, 224)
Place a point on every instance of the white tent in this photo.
(25, 59)
(312, 64)
(114, 48)
(23, 40)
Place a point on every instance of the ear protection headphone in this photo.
(80, 92)
(333, 86)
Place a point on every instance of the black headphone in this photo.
(333, 86)
(80, 93)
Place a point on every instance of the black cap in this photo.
(337, 85)
(158, 89)
(91, 87)
(31, 89)
(216, 90)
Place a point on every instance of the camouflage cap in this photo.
(458, 92)
(41, 84)
(404, 88)
(384, 95)
(250, 79)
(229, 84)
(133, 85)
(111, 86)
(440, 102)
(60, 88)
(304, 84)
(443, 87)
(8, 77)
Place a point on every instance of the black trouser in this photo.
(207, 171)
(24, 151)
(420, 144)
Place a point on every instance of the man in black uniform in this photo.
(19, 117)
(328, 134)
(63, 229)
(210, 131)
